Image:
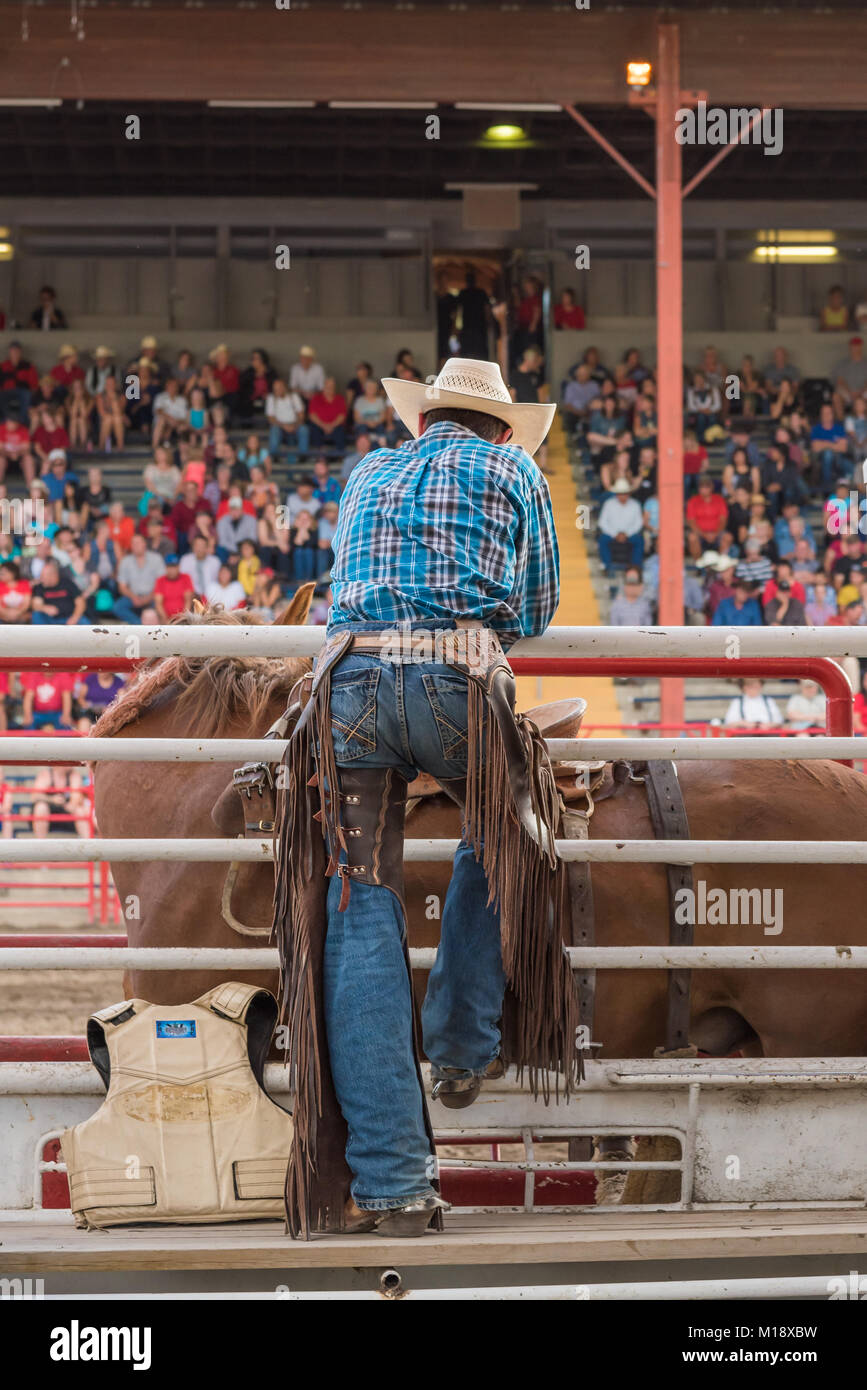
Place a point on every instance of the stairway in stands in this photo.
(705, 699)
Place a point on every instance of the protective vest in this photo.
(186, 1132)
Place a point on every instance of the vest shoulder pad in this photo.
(231, 1000)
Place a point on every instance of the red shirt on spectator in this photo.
(695, 460)
(568, 318)
(328, 411)
(168, 530)
(14, 438)
(48, 688)
(173, 592)
(24, 374)
(709, 514)
(65, 376)
(229, 378)
(13, 595)
(51, 439)
(121, 533)
(183, 518)
(797, 591)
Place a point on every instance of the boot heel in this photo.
(405, 1223)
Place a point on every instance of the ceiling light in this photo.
(31, 101)
(796, 253)
(507, 106)
(260, 105)
(638, 74)
(505, 134)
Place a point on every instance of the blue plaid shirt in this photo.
(447, 526)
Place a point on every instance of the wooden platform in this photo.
(55, 1245)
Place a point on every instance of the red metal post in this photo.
(669, 350)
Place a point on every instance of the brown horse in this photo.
(796, 1013)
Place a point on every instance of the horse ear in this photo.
(299, 609)
(198, 606)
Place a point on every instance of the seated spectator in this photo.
(137, 576)
(284, 411)
(598, 371)
(753, 396)
(305, 546)
(46, 699)
(19, 382)
(704, 407)
(260, 490)
(694, 463)
(139, 410)
(355, 387)
(327, 415)
(162, 478)
(266, 595)
(855, 425)
(184, 512)
(739, 515)
(781, 480)
(741, 439)
(780, 372)
(56, 601)
(149, 356)
(789, 528)
(306, 377)
(170, 414)
(111, 414)
(256, 384)
(79, 415)
(225, 379)
(94, 499)
(216, 490)
(185, 373)
(48, 314)
(351, 460)
(370, 413)
(56, 480)
(67, 370)
(274, 540)
(46, 393)
(578, 397)
(645, 421)
(720, 584)
(15, 594)
(103, 559)
(834, 317)
(201, 565)
(567, 312)
(619, 467)
(97, 690)
(821, 605)
(631, 607)
(829, 446)
(326, 488)
(646, 480)
(851, 556)
(741, 609)
(706, 517)
(200, 416)
(607, 432)
(850, 377)
(327, 526)
(225, 590)
(158, 532)
(806, 709)
(754, 568)
(784, 610)
(49, 435)
(253, 455)
(621, 523)
(249, 565)
(805, 564)
(303, 499)
(99, 372)
(752, 709)
(15, 451)
(236, 490)
(233, 527)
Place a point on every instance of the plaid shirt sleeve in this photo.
(537, 576)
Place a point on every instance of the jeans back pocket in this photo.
(353, 713)
(447, 696)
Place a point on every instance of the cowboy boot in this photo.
(406, 1221)
(456, 1090)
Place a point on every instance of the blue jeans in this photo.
(606, 548)
(299, 438)
(411, 717)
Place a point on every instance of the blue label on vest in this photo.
(176, 1027)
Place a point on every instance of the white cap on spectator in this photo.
(621, 485)
(709, 560)
(57, 454)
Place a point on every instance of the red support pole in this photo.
(669, 350)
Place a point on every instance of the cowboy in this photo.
(448, 538)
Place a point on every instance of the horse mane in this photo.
(212, 693)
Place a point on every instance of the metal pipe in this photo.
(423, 958)
(47, 645)
(55, 752)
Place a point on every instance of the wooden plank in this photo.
(54, 1246)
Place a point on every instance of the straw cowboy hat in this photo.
(149, 342)
(67, 351)
(103, 352)
(215, 352)
(468, 384)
